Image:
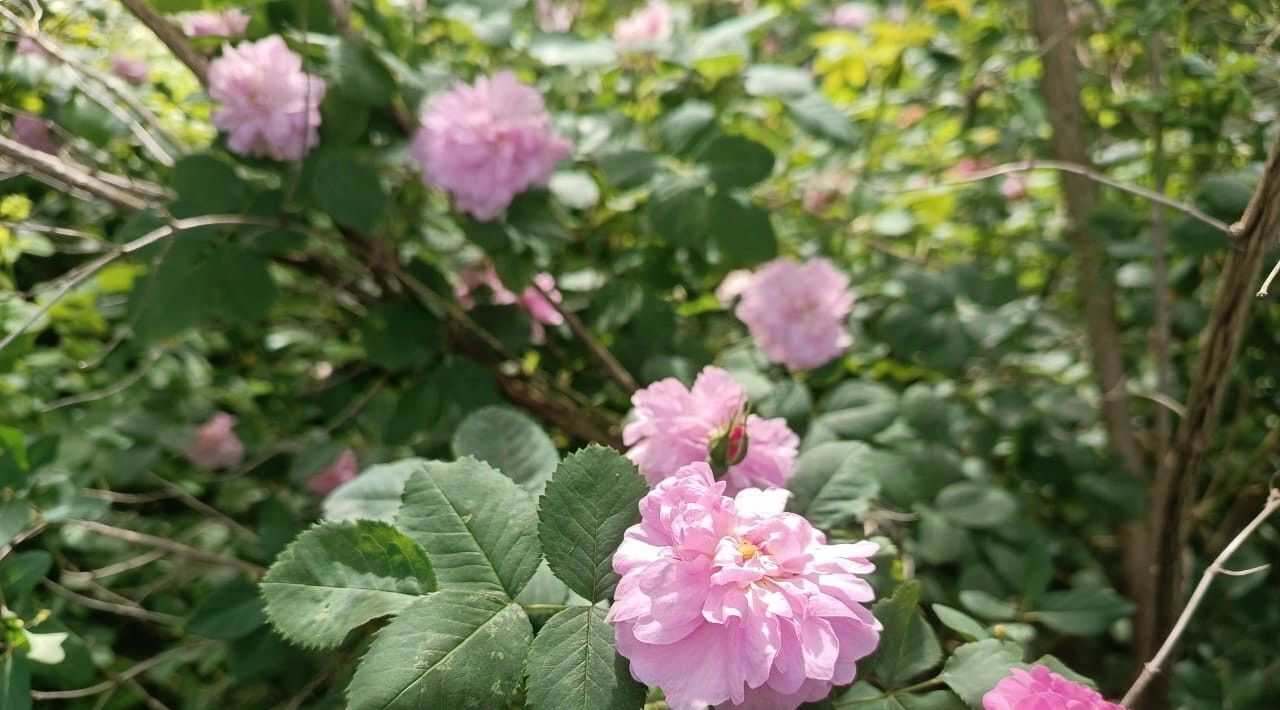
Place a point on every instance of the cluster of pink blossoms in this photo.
(649, 25)
(1042, 689)
(538, 300)
(487, 142)
(731, 601)
(796, 312)
(226, 23)
(269, 107)
(675, 426)
(215, 444)
(343, 469)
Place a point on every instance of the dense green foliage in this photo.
(962, 431)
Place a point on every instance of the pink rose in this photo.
(269, 106)
(649, 25)
(227, 23)
(131, 69)
(31, 131)
(343, 469)
(796, 312)
(541, 310)
(215, 445)
(1042, 689)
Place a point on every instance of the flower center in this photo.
(747, 550)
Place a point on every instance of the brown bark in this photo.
(172, 37)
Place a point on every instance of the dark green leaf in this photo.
(686, 127)
(510, 441)
(229, 612)
(385, 330)
(966, 626)
(679, 210)
(1082, 612)
(22, 571)
(348, 189)
(976, 505)
(741, 232)
(908, 646)
(359, 73)
(573, 665)
(736, 162)
(628, 168)
(817, 115)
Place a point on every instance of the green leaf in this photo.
(14, 464)
(15, 682)
(686, 127)
(231, 611)
(1081, 612)
(359, 73)
(451, 649)
(859, 410)
(348, 189)
(976, 505)
(22, 571)
(206, 185)
(966, 626)
(741, 233)
(14, 514)
(575, 188)
(244, 288)
(976, 668)
(835, 482)
(817, 115)
(590, 502)
(179, 293)
(908, 646)
(569, 51)
(777, 80)
(384, 333)
(510, 441)
(337, 576)
(987, 606)
(628, 168)
(374, 494)
(679, 210)
(573, 665)
(480, 528)
(736, 162)
(730, 36)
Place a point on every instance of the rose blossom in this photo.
(227, 23)
(675, 426)
(1013, 188)
(31, 131)
(650, 24)
(131, 69)
(28, 45)
(540, 308)
(270, 107)
(215, 445)
(852, 16)
(1042, 689)
(796, 312)
(735, 283)
(487, 142)
(553, 16)
(733, 601)
(343, 469)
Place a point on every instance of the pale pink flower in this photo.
(675, 426)
(733, 602)
(269, 106)
(822, 190)
(225, 23)
(553, 16)
(1013, 188)
(970, 166)
(540, 308)
(852, 16)
(1042, 689)
(215, 444)
(31, 131)
(28, 45)
(131, 69)
(735, 283)
(487, 142)
(343, 469)
(796, 312)
(649, 25)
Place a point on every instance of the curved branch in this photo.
(171, 36)
(70, 174)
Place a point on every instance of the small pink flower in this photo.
(269, 106)
(227, 23)
(970, 166)
(733, 602)
(487, 142)
(541, 310)
(131, 69)
(649, 25)
(553, 16)
(822, 190)
(31, 131)
(735, 283)
(1042, 689)
(852, 16)
(1013, 188)
(28, 45)
(215, 445)
(343, 469)
(675, 426)
(796, 312)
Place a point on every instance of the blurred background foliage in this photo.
(759, 130)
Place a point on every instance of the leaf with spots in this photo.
(337, 576)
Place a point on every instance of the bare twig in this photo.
(1160, 271)
(68, 173)
(161, 543)
(202, 507)
(133, 612)
(1266, 285)
(1153, 667)
(594, 346)
(80, 274)
(116, 388)
(135, 670)
(171, 36)
(121, 567)
(22, 537)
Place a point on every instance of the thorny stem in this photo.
(1152, 667)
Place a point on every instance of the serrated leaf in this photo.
(479, 528)
(976, 668)
(510, 441)
(229, 612)
(337, 576)
(908, 646)
(592, 499)
(836, 482)
(374, 494)
(573, 665)
(451, 649)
